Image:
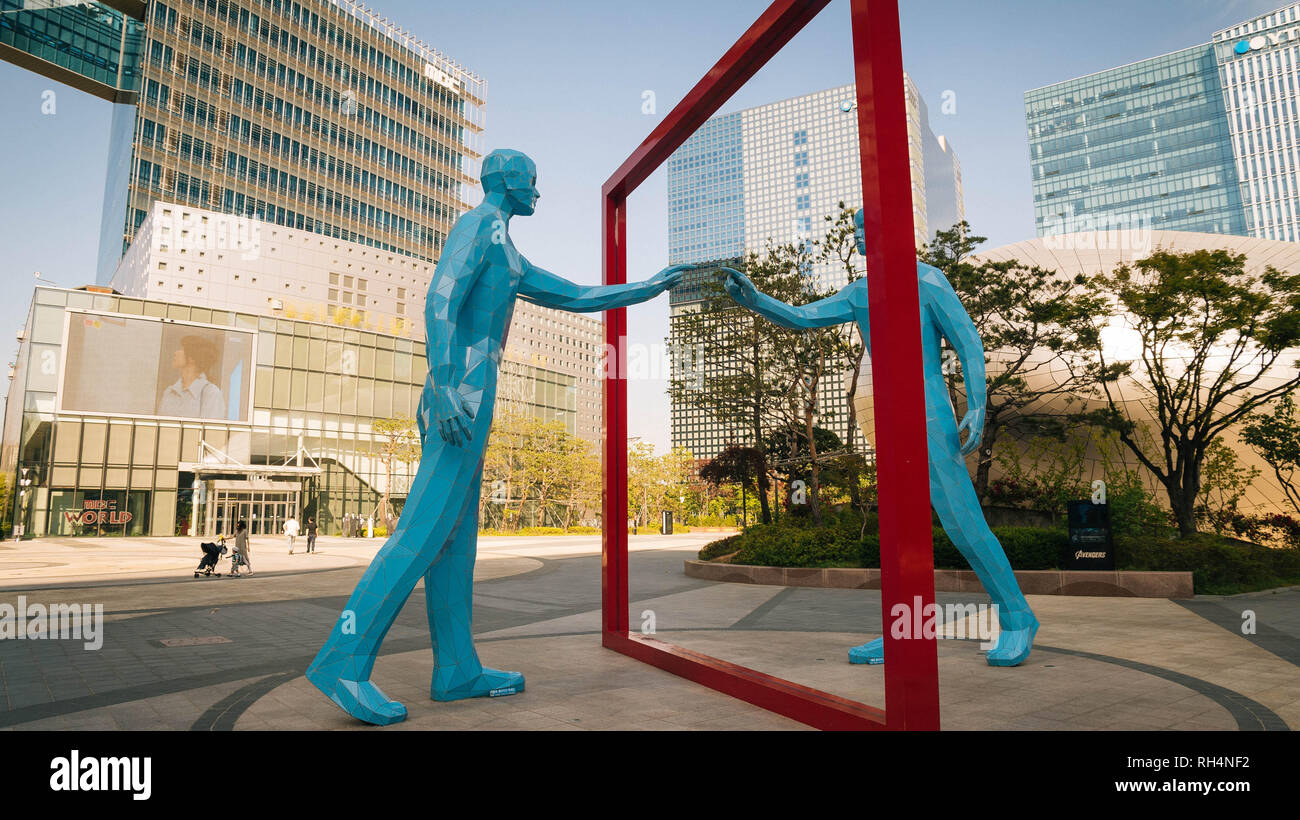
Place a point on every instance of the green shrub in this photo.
(783, 546)
(543, 531)
(1033, 547)
(714, 521)
(1219, 565)
(723, 546)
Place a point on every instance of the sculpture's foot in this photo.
(492, 683)
(359, 698)
(871, 652)
(1014, 643)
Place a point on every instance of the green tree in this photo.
(738, 466)
(399, 443)
(1224, 482)
(741, 354)
(655, 483)
(1211, 335)
(839, 247)
(581, 485)
(6, 506)
(503, 472)
(1275, 435)
(761, 376)
(1038, 329)
(547, 463)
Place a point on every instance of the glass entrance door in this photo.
(264, 511)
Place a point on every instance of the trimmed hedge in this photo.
(544, 531)
(1218, 565)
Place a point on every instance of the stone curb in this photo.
(1118, 584)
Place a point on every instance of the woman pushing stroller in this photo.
(241, 557)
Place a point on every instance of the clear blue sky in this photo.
(565, 83)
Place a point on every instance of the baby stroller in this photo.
(211, 553)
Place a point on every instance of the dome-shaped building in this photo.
(1092, 253)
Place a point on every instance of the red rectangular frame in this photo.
(907, 560)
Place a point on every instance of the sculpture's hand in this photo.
(452, 416)
(973, 424)
(666, 278)
(740, 287)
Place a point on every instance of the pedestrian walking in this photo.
(291, 530)
(241, 549)
(311, 534)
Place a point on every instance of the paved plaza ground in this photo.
(1099, 663)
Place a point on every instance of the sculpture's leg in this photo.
(342, 667)
(954, 499)
(448, 596)
(959, 511)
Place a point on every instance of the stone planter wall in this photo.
(1033, 582)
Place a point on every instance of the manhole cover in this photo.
(210, 639)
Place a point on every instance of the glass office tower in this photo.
(1146, 143)
(318, 115)
(772, 173)
(1259, 62)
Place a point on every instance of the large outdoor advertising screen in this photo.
(128, 366)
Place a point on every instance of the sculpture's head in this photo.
(513, 175)
(860, 232)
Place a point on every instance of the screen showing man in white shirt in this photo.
(194, 393)
(146, 367)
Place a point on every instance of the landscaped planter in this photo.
(1120, 584)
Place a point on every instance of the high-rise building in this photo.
(319, 115)
(1146, 142)
(552, 365)
(1201, 139)
(130, 416)
(771, 174)
(1259, 65)
(213, 260)
(282, 176)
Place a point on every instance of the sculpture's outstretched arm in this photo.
(546, 288)
(833, 310)
(940, 301)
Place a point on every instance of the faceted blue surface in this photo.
(467, 314)
(951, 491)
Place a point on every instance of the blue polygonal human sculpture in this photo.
(467, 315)
(951, 491)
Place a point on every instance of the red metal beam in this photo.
(769, 34)
(813, 707)
(614, 399)
(907, 551)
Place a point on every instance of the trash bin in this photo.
(667, 527)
